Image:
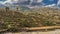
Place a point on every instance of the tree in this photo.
(17, 7)
(6, 8)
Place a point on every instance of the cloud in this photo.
(0, 1)
(31, 2)
(12, 2)
(58, 2)
(9, 1)
(39, 0)
(52, 5)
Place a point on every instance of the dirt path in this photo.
(37, 32)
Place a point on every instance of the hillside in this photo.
(37, 17)
(45, 15)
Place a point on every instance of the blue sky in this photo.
(2, 0)
(50, 2)
(45, 2)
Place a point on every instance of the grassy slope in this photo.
(33, 18)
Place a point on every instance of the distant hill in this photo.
(35, 18)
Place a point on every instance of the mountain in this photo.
(38, 17)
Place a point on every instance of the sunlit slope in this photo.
(29, 18)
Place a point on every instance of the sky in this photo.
(2, 0)
(46, 3)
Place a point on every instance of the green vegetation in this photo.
(38, 17)
(6, 8)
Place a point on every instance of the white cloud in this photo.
(39, 0)
(9, 1)
(58, 2)
(31, 2)
(12, 1)
(0, 1)
(52, 5)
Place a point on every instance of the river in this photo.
(36, 32)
